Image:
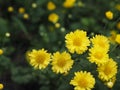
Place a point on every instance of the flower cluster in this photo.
(78, 42)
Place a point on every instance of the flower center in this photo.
(61, 62)
(107, 70)
(82, 82)
(77, 41)
(40, 59)
(98, 55)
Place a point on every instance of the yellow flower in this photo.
(25, 16)
(111, 82)
(77, 41)
(1, 86)
(34, 5)
(53, 18)
(61, 62)
(83, 81)
(57, 25)
(1, 51)
(118, 25)
(109, 15)
(51, 6)
(21, 10)
(117, 7)
(117, 39)
(107, 70)
(113, 36)
(39, 59)
(98, 55)
(69, 3)
(101, 41)
(10, 9)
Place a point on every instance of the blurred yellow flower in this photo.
(83, 81)
(61, 62)
(53, 17)
(108, 70)
(69, 3)
(39, 59)
(113, 36)
(77, 41)
(109, 15)
(51, 6)
(1, 86)
(7, 34)
(21, 10)
(57, 25)
(1, 51)
(98, 55)
(117, 39)
(111, 82)
(117, 7)
(25, 16)
(10, 9)
(101, 41)
(118, 25)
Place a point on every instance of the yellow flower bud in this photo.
(118, 25)
(10, 9)
(1, 86)
(53, 17)
(57, 25)
(34, 5)
(25, 16)
(51, 6)
(109, 15)
(69, 3)
(117, 39)
(117, 7)
(1, 51)
(21, 10)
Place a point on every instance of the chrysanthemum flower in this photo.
(61, 62)
(1, 86)
(69, 3)
(111, 82)
(98, 55)
(107, 70)
(77, 41)
(1, 51)
(53, 17)
(51, 6)
(39, 59)
(83, 81)
(101, 41)
(117, 39)
(109, 15)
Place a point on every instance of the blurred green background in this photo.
(29, 28)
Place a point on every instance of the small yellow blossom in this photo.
(21, 10)
(117, 39)
(53, 17)
(1, 86)
(83, 81)
(69, 3)
(51, 6)
(112, 36)
(111, 82)
(98, 55)
(117, 7)
(25, 16)
(61, 62)
(118, 25)
(57, 25)
(1, 51)
(109, 15)
(10, 9)
(101, 41)
(108, 70)
(77, 41)
(39, 59)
